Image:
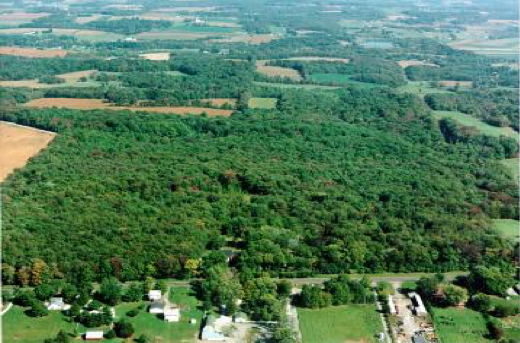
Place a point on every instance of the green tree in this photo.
(110, 292)
(124, 329)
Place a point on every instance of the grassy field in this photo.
(468, 120)
(19, 328)
(512, 165)
(507, 228)
(455, 325)
(421, 88)
(339, 324)
(340, 79)
(511, 328)
(266, 103)
(288, 85)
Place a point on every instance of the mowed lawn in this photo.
(340, 324)
(20, 328)
(456, 325)
(484, 128)
(266, 103)
(507, 228)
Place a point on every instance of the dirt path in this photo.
(292, 316)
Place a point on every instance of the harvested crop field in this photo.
(76, 75)
(71, 80)
(249, 39)
(410, 63)
(32, 53)
(16, 18)
(90, 35)
(456, 83)
(98, 104)
(19, 144)
(220, 101)
(273, 71)
(156, 56)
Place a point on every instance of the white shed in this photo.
(172, 314)
(156, 307)
(93, 335)
(154, 295)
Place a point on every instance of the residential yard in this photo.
(456, 325)
(511, 328)
(20, 328)
(340, 324)
(266, 103)
(156, 328)
(507, 228)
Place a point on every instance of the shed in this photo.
(172, 314)
(56, 304)
(391, 305)
(420, 309)
(154, 295)
(156, 307)
(93, 335)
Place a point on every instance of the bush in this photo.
(124, 329)
(110, 334)
(132, 313)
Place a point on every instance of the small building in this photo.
(391, 305)
(154, 295)
(172, 314)
(57, 304)
(157, 307)
(214, 327)
(420, 309)
(240, 317)
(93, 335)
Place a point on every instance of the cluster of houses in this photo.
(170, 313)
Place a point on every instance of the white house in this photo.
(172, 314)
(93, 335)
(420, 309)
(57, 304)
(154, 295)
(391, 305)
(156, 307)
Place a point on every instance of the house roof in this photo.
(94, 335)
(157, 304)
(154, 293)
(171, 311)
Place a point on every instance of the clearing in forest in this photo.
(265, 103)
(446, 83)
(19, 144)
(340, 324)
(253, 39)
(98, 104)
(156, 56)
(32, 53)
(273, 71)
(508, 228)
(220, 101)
(409, 63)
(317, 58)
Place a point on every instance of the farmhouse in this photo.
(57, 304)
(154, 295)
(419, 308)
(172, 314)
(157, 307)
(93, 335)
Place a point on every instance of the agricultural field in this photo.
(252, 39)
(19, 17)
(274, 71)
(467, 120)
(32, 53)
(98, 104)
(340, 79)
(456, 325)
(87, 35)
(317, 58)
(266, 103)
(73, 79)
(508, 228)
(409, 63)
(156, 56)
(421, 88)
(293, 86)
(340, 324)
(19, 144)
(220, 101)
(506, 46)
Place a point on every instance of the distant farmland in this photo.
(273, 71)
(19, 144)
(98, 104)
(33, 53)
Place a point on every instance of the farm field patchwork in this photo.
(91, 104)
(19, 144)
(467, 120)
(456, 325)
(340, 324)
